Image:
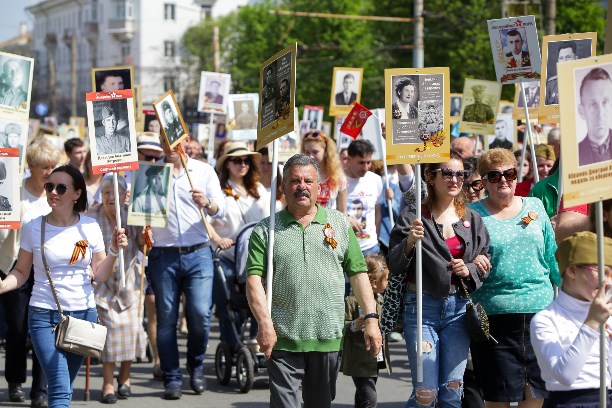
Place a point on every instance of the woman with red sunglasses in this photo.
(520, 284)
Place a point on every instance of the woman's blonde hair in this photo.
(331, 162)
(495, 157)
(42, 151)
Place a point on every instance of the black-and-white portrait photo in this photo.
(504, 133)
(455, 106)
(269, 83)
(151, 189)
(213, 92)
(112, 127)
(5, 178)
(558, 52)
(406, 97)
(347, 94)
(14, 80)
(170, 117)
(345, 90)
(314, 116)
(151, 123)
(478, 107)
(594, 114)
(532, 94)
(246, 118)
(112, 79)
(514, 41)
(431, 118)
(283, 98)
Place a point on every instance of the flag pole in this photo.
(270, 260)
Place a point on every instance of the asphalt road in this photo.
(393, 391)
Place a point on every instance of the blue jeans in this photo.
(171, 274)
(60, 367)
(446, 341)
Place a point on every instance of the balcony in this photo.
(90, 29)
(122, 29)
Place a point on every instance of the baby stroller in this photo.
(247, 360)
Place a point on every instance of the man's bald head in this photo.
(465, 146)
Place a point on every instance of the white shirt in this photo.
(72, 282)
(185, 226)
(238, 213)
(367, 190)
(568, 350)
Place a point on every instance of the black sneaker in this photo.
(197, 382)
(39, 402)
(172, 391)
(16, 393)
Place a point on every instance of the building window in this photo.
(125, 50)
(169, 49)
(123, 10)
(169, 83)
(169, 11)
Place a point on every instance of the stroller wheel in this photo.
(245, 371)
(223, 363)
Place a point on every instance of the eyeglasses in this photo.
(448, 174)
(476, 185)
(240, 161)
(60, 189)
(495, 176)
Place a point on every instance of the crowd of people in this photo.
(484, 236)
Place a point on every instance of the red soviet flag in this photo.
(355, 120)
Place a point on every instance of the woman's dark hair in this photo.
(460, 200)
(78, 183)
(250, 179)
(607, 205)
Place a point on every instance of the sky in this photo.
(14, 12)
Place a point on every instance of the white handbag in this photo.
(73, 335)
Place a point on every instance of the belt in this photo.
(184, 249)
(452, 291)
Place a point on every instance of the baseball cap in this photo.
(581, 249)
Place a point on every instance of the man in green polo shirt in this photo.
(313, 249)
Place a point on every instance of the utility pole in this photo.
(551, 16)
(418, 52)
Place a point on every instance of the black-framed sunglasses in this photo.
(476, 185)
(495, 176)
(60, 189)
(238, 161)
(448, 174)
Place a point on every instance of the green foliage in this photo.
(456, 36)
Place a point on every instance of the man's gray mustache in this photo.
(302, 193)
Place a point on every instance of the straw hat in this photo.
(234, 149)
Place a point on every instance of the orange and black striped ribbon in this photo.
(79, 249)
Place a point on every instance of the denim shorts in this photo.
(504, 368)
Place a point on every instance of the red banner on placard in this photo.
(108, 96)
(106, 168)
(355, 120)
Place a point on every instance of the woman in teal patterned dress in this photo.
(520, 284)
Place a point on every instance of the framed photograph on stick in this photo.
(585, 112)
(112, 131)
(314, 116)
(277, 96)
(149, 196)
(346, 90)
(15, 86)
(455, 106)
(112, 78)
(214, 89)
(515, 47)
(417, 115)
(557, 49)
(504, 135)
(242, 112)
(10, 199)
(479, 107)
(173, 126)
(532, 94)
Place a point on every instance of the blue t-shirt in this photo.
(523, 261)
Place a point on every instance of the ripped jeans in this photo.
(446, 342)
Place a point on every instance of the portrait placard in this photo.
(515, 47)
(71, 132)
(455, 106)
(10, 182)
(417, 106)
(277, 96)
(242, 112)
(346, 90)
(532, 94)
(314, 116)
(151, 123)
(15, 86)
(585, 116)
(112, 131)
(112, 78)
(214, 88)
(479, 107)
(504, 135)
(557, 49)
(169, 115)
(342, 139)
(371, 131)
(291, 143)
(149, 197)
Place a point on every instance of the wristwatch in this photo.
(371, 316)
(208, 205)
